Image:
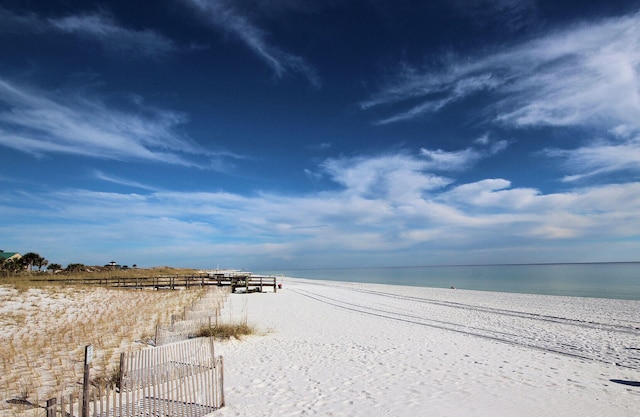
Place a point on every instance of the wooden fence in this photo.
(154, 282)
(252, 283)
(183, 379)
(204, 313)
(171, 282)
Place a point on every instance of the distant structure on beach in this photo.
(5, 256)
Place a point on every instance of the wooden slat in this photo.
(179, 380)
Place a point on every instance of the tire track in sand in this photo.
(586, 340)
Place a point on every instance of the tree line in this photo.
(27, 262)
(32, 262)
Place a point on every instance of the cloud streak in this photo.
(38, 123)
(114, 37)
(585, 75)
(11, 22)
(405, 210)
(98, 26)
(123, 181)
(599, 158)
(225, 16)
(510, 14)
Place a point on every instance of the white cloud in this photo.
(451, 161)
(440, 160)
(586, 75)
(399, 212)
(498, 146)
(312, 175)
(436, 90)
(99, 26)
(599, 158)
(494, 194)
(225, 15)
(39, 122)
(483, 140)
(113, 36)
(122, 181)
(320, 146)
(393, 176)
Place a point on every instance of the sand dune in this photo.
(43, 332)
(350, 349)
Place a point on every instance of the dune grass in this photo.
(225, 331)
(44, 329)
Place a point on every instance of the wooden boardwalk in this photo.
(245, 282)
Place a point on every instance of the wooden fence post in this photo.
(221, 382)
(120, 382)
(212, 350)
(88, 356)
(51, 407)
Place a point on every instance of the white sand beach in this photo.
(350, 349)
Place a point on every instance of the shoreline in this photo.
(616, 281)
(349, 349)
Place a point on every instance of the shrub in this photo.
(225, 331)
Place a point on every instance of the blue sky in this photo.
(272, 134)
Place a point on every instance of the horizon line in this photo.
(461, 265)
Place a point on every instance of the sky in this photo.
(282, 134)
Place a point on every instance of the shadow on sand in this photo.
(623, 382)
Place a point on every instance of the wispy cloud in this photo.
(413, 175)
(434, 90)
(39, 122)
(396, 176)
(584, 75)
(122, 181)
(226, 16)
(99, 26)
(385, 206)
(320, 146)
(510, 14)
(19, 23)
(113, 36)
(451, 161)
(603, 157)
(460, 160)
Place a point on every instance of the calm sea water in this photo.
(600, 280)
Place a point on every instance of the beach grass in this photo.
(45, 328)
(225, 331)
(40, 278)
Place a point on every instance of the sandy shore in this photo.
(350, 349)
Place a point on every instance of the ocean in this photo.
(599, 280)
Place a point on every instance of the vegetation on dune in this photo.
(45, 329)
(32, 264)
(225, 331)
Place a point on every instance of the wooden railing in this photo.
(160, 282)
(252, 283)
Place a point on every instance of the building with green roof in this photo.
(5, 256)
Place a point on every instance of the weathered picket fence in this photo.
(204, 313)
(183, 379)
